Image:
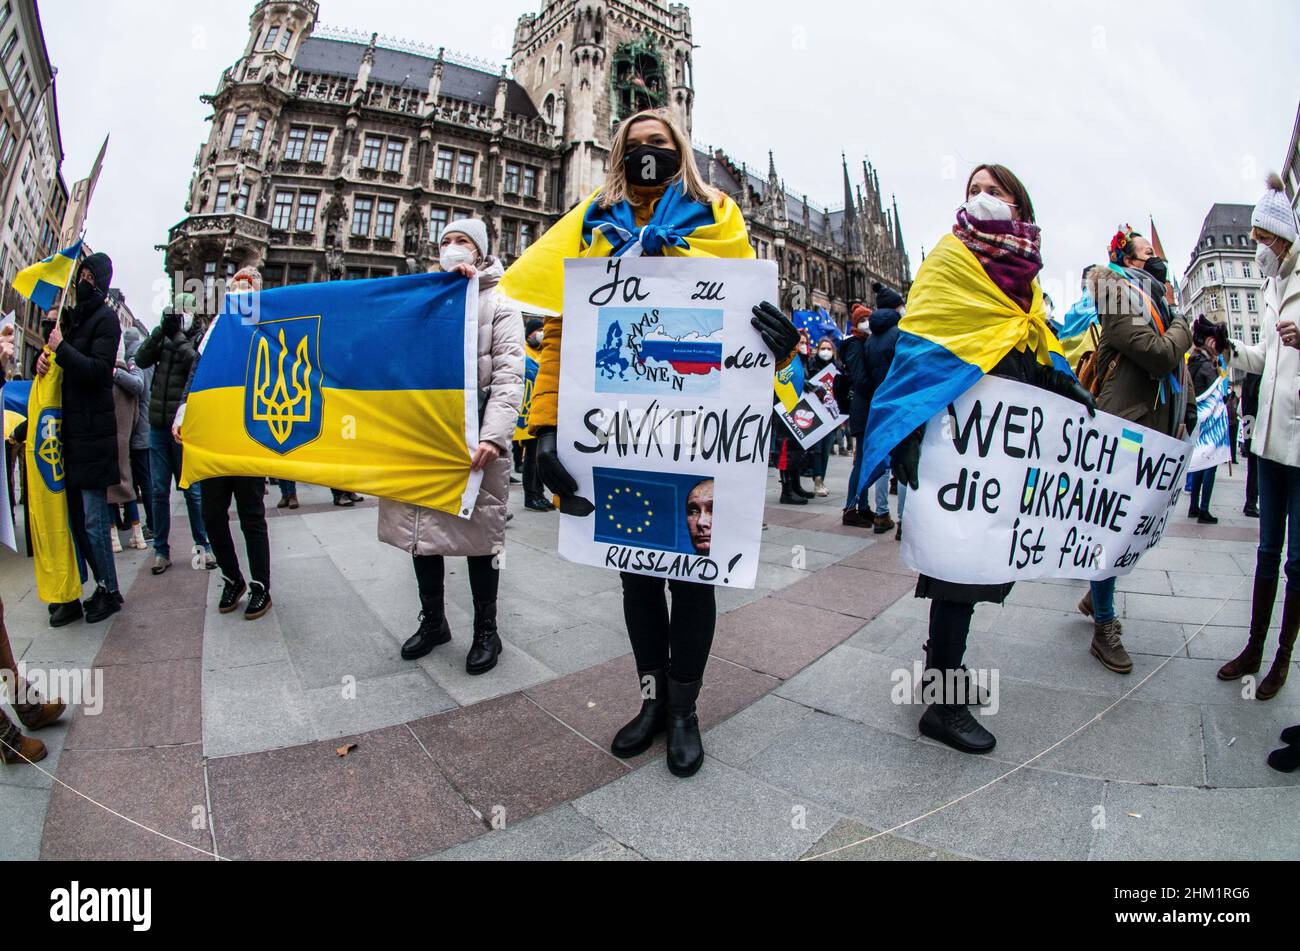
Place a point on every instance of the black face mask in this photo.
(648, 166)
(1157, 268)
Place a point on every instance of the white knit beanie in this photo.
(1274, 213)
(473, 229)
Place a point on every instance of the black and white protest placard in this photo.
(811, 414)
(1017, 483)
(665, 415)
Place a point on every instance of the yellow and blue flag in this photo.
(679, 227)
(790, 383)
(58, 576)
(17, 395)
(366, 386)
(959, 326)
(42, 283)
(532, 363)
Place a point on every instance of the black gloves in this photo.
(776, 330)
(171, 324)
(906, 459)
(1064, 384)
(1207, 329)
(556, 478)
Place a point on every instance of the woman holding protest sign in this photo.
(1275, 440)
(654, 202)
(1140, 375)
(1203, 365)
(826, 356)
(432, 537)
(976, 308)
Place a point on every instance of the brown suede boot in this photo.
(1276, 679)
(38, 714)
(1108, 648)
(1085, 606)
(16, 748)
(1261, 616)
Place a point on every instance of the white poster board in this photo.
(811, 419)
(1213, 436)
(665, 416)
(1017, 484)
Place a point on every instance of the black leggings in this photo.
(678, 644)
(949, 628)
(484, 579)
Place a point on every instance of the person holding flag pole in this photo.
(81, 354)
(57, 565)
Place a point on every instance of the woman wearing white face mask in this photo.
(1275, 440)
(431, 537)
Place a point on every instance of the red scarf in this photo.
(1010, 251)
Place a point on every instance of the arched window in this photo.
(559, 58)
(541, 70)
(548, 109)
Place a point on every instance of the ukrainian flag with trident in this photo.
(58, 575)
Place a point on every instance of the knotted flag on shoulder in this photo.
(366, 386)
(959, 325)
(680, 227)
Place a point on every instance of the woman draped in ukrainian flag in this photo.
(976, 308)
(654, 202)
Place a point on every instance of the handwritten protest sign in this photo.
(665, 416)
(1213, 437)
(1017, 483)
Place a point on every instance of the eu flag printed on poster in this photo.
(367, 386)
(653, 510)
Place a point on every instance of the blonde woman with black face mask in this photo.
(654, 197)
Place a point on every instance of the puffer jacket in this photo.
(880, 349)
(1275, 434)
(501, 379)
(854, 354)
(171, 359)
(1139, 389)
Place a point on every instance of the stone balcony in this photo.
(226, 225)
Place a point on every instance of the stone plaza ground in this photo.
(222, 738)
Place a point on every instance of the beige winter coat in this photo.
(500, 372)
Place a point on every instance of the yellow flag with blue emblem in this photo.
(43, 282)
(58, 578)
(365, 386)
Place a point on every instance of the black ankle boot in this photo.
(434, 632)
(685, 748)
(789, 496)
(952, 725)
(796, 485)
(486, 651)
(639, 735)
(976, 695)
(61, 615)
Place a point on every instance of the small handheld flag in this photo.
(42, 283)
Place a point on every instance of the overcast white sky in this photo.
(1109, 111)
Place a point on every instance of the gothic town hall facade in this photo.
(338, 156)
